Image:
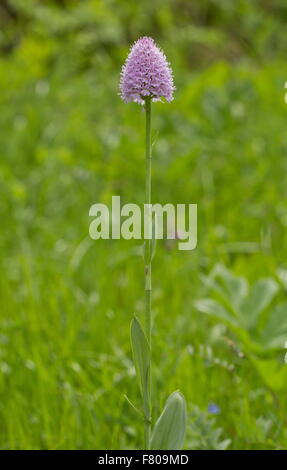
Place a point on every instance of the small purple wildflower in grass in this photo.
(213, 409)
(146, 72)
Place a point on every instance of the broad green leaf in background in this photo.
(234, 287)
(217, 311)
(261, 294)
(203, 433)
(272, 372)
(274, 334)
(214, 308)
(169, 430)
(244, 316)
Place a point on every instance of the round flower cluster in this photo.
(146, 72)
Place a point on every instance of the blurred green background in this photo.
(67, 141)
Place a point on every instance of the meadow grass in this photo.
(66, 301)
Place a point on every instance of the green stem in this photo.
(147, 257)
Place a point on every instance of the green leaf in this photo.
(235, 288)
(274, 334)
(141, 355)
(217, 311)
(261, 295)
(169, 430)
(273, 373)
(214, 308)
